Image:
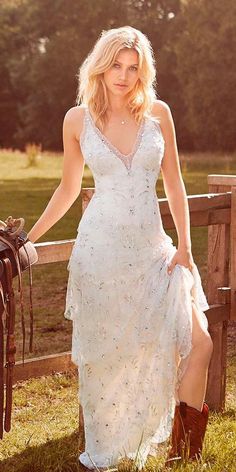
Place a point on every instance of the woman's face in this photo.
(123, 74)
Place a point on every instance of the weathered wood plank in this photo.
(216, 179)
(86, 195)
(218, 259)
(55, 251)
(233, 255)
(215, 395)
(201, 218)
(218, 313)
(204, 202)
(218, 276)
(43, 365)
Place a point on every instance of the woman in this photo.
(140, 336)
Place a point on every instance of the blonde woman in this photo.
(140, 335)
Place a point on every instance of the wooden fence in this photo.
(217, 211)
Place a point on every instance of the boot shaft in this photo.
(188, 431)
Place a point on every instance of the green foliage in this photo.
(42, 45)
(206, 70)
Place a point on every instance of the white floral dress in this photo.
(132, 321)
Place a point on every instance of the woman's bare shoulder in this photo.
(160, 109)
(74, 118)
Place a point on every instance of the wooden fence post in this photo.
(233, 254)
(221, 263)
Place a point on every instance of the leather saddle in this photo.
(17, 253)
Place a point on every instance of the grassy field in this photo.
(45, 421)
(26, 190)
(44, 437)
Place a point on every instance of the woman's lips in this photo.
(120, 85)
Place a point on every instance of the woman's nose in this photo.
(123, 74)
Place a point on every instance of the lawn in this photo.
(25, 191)
(44, 436)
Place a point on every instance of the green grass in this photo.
(26, 190)
(44, 436)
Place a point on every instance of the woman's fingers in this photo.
(170, 267)
(172, 264)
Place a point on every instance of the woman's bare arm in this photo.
(72, 173)
(172, 178)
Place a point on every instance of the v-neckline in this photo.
(125, 158)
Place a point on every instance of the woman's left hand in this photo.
(183, 257)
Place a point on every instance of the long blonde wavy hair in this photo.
(92, 90)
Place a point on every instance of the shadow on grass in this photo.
(230, 413)
(60, 455)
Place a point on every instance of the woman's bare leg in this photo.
(193, 385)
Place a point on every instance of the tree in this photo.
(42, 45)
(43, 66)
(206, 70)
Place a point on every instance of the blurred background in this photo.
(42, 44)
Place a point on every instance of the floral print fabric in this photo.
(132, 321)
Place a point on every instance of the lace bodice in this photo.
(125, 158)
(93, 141)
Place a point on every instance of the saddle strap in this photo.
(31, 301)
(10, 342)
(20, 289)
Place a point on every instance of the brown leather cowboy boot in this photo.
(188, 432)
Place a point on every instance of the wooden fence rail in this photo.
(217, 211)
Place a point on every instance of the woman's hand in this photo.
(183, 257)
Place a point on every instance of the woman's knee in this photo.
(201, 338)
(203, 345)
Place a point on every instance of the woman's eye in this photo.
(131, 67)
